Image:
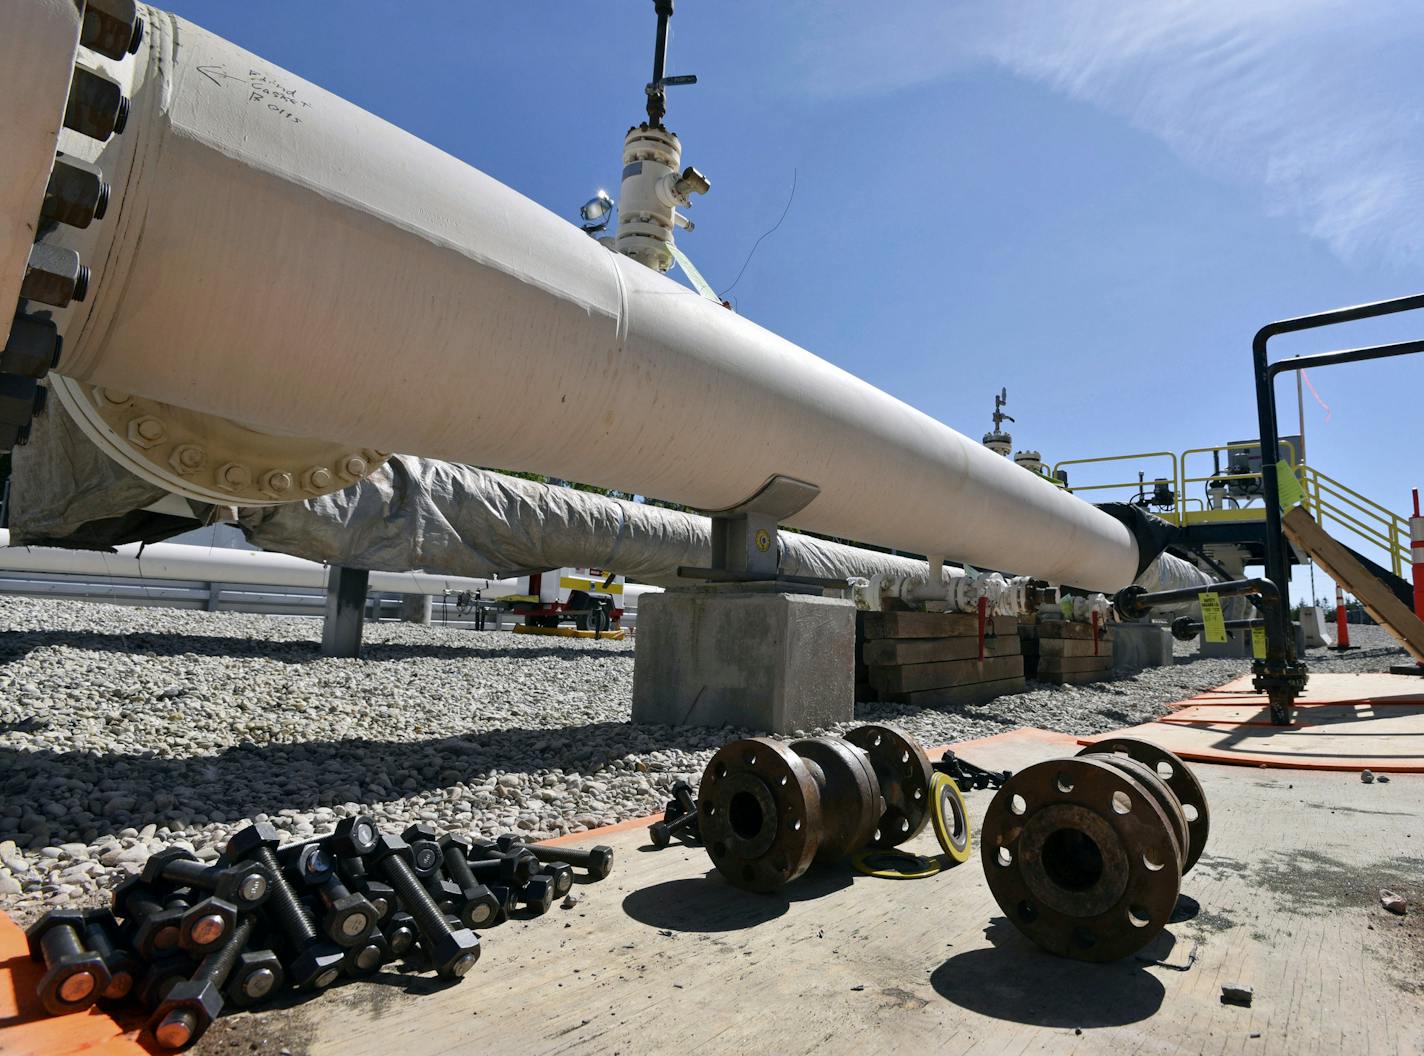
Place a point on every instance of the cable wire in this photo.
(772, 230)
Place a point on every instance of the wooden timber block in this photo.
(977, 693)
(1074, 647)
(933, 624)
(1058, 665)
(885, 652)
(1069, 629)
(910, 678)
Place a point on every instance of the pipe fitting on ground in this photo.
(768, 809)
(1085, 855)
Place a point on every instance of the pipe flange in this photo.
(1081, 858)
(1175, 775)
(905, 776)
(759, 814)
(207, 458)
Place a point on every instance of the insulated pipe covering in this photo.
(276, 256)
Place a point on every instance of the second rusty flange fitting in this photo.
(767, 809)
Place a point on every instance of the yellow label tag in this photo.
(1287, 486)
(1258, 642)
(1213, 622)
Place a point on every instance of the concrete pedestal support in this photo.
(345, 611)
(1141, 645)
(734, 656)
(416, 608)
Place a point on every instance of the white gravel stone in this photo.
(123, 730)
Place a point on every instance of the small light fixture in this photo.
(597, 212)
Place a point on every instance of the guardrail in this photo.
(1328, 500)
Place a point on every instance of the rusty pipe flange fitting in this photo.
(767, 810)
(905, 776)
(759, 813)
(1175, 775)
(1082, 858)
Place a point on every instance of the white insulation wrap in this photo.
(418, 513)
(277, 256)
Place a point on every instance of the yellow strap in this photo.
(915, 866)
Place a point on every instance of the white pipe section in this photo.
(277, 256)
(187, 563)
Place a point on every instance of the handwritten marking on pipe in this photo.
(1213, 622)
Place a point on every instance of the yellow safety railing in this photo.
(1134, 485)
(1331, 501)
(1328, 500)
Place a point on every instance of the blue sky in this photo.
(1095, 204)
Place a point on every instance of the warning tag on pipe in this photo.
(1213, 622)
(1287, 486)
(1258, 642)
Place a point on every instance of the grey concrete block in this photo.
(1141, 645)
(769, 661)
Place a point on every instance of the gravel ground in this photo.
(126, 729)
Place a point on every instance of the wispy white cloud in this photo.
(1317, 102)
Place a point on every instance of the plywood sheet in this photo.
(665, 957)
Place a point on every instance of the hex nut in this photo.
(355, 836)
(152, 872)
(316, 967)
(207, 925)
(454, 953)
(426, 857)
(354, 467)
(538, 893)
(350, 920)
(163, 974)
(276, 482)
(318, 478)
(232, 476)
(187, 459)
(201, 1001)
(366, 957)
(146, 431)
(256, 976)
(247, 841)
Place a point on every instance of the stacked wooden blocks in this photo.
(933, 658)
(1064, 652)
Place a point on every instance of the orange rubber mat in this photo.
(1342, 722)
(26, 1029)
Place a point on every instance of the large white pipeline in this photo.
(280, 258)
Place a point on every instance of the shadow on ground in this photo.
(1018, 982)
(15, 645)
(710, 904)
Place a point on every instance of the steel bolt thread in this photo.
(414, 897)
(299, 924)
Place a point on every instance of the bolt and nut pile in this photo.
(185, 938)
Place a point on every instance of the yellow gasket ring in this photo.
(944, 792)
(917, 866)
